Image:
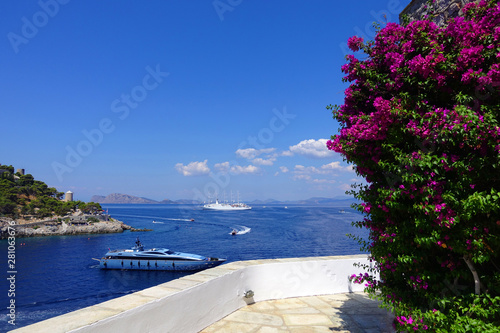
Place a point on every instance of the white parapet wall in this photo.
(191, 303)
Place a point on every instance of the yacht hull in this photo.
(206, 207)
(159, 265)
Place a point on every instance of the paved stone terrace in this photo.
(353, 312)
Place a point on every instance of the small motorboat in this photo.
(192, 220)
(234, 232)
(156, 259)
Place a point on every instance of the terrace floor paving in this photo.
(350, 312)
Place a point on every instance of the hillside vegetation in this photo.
(22, 195)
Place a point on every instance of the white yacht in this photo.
(156, 259)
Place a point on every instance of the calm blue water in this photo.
(56, 275)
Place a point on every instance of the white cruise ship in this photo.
(226, 206)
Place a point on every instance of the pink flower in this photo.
(355, 43)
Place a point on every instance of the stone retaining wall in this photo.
(446, 9)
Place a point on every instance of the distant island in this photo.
(118, 198)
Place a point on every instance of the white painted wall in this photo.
(194, 308)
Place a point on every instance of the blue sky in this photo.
(179, 99)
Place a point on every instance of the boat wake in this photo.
(185, 220)
(240, 230)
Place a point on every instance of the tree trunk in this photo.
(477, 282)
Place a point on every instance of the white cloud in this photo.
(248, 153)
(224, 167)
(261, 161)
(193, 168)
(308, 170)
(251, 153)
(311, 148)
(324, 174)
(300, 167)
(284, 169)
(302, 177)
(338, 167)
(249, 169)
(323, 181)
(332, 166)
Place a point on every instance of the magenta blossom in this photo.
(355, 43)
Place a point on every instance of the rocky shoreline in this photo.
(63, 228)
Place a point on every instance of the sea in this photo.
(57, 274)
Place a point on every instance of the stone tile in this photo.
(258, 262)
(70, 321)
(310, 329)
(125, 302)
(330, 312)
(181, 284)
(356, 313)
(260, 307)
(363, 298)
(307, 320)
(316, 302)
(288, 303)
(231, 327)
(337, 322)
(288, 260)
(267, 329)
(219, 271)
(214, 327)
(202, 277)
(304, 310)
(256, 318)
(353, 309)
(233, 265)
(334, 298)
(157, 292)
(370, 321)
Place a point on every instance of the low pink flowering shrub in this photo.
(421, 123)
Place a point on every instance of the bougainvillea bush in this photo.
(420, 122)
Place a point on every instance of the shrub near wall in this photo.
(420, 121)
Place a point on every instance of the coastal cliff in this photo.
(61, 228)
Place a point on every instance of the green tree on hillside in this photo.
(23, 195)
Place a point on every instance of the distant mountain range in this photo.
(117, 198)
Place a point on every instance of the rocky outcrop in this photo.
(63, 228)
(445, 9)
